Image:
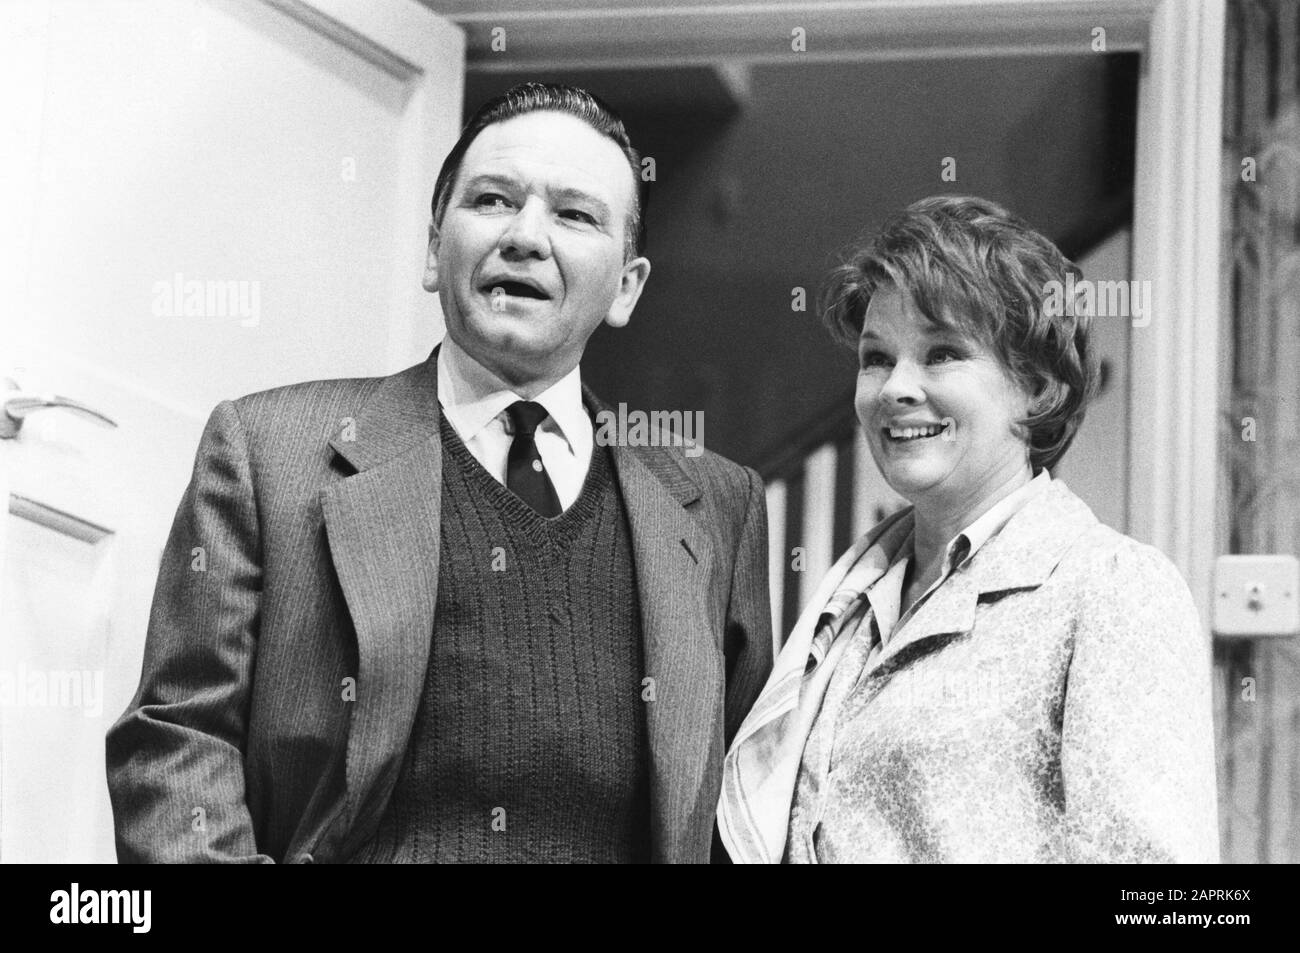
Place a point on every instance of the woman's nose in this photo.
(525, 235)
(903, 386)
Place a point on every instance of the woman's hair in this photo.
(971, 266)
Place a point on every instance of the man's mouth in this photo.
(909, 434)
(513, 288)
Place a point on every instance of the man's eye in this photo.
(491, 200)
(577, 215)
(874, 359)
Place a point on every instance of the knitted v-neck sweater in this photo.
(530, 739)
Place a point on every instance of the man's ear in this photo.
(430, 279)
(635, 273)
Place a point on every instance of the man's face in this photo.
(528, 259)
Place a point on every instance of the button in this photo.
(537, 465)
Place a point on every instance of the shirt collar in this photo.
(472, 397)
(866, 573)
(968, 542)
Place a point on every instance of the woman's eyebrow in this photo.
(930, 336)
(940, 333)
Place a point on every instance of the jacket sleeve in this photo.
(1137, 743)
(175, 758)
(748, 643)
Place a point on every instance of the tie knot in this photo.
(525, 415)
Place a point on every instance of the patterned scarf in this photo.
(760, 770)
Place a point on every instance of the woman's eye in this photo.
(874, 359)
(941, 355)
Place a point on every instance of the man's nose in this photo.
(526, 234)
(904, 385)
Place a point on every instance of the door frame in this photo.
(1175, 381)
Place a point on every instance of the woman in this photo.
(990, 675)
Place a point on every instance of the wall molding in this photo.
(365, 47)
(1174, 372)
(856, 30)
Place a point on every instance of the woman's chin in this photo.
(911, 479)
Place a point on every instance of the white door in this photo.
(200, 199)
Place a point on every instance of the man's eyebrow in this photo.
(578, 195)
(570, 194)
(486, 179)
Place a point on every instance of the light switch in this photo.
(1256, 596)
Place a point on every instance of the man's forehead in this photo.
(559, 148)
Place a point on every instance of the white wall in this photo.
(1096, 465)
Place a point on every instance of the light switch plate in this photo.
(1256, 596)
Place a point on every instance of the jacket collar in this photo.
(400, 414)
(675, 565)
(663, 462)
(1022, 556)
(383, 527)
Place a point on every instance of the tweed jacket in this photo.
(1050, 702)
(294, 611)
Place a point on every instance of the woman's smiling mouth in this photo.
(920, 432)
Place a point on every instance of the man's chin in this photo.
(517, 355)
(505, 335)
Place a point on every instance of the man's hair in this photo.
(550, 97)
(971, 266)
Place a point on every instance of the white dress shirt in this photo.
(474, 401)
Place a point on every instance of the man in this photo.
(433, 618)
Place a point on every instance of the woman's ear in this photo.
(1043, 396)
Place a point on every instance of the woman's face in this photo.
(938, 409)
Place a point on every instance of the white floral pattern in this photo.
(1050, 703)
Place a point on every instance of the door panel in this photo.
(205, 198)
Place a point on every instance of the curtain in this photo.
(1258, 680)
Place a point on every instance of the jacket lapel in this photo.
(674, 560)
(383, 528)
(1022, 556)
